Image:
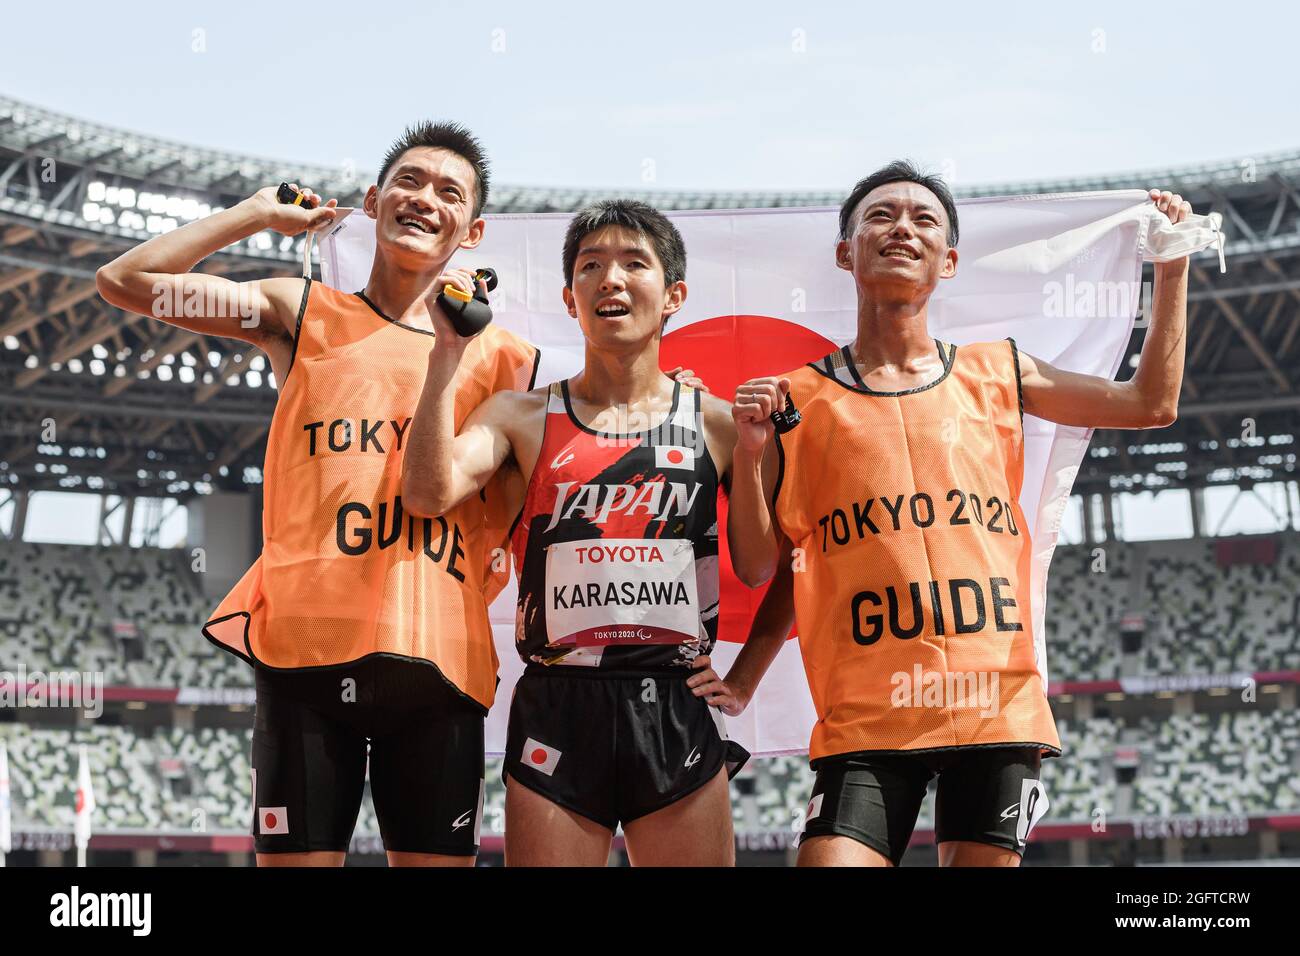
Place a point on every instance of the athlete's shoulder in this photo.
(986, 347)
(315, 292)
(532, 398)
(517, 414)
(315, 297)
(508, 404)
(714, 408)
(288, 297)
(287, 287)
(990, 354)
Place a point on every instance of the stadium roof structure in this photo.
(139, 408)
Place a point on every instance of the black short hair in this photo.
(449, 136)
(636, 217)
(900, 171)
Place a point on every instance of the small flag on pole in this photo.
(85, 802)
(6, 836)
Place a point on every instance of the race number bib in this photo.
(607, 592)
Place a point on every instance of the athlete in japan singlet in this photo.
(617, 543)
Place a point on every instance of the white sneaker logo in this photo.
(692, 758)
(461, 820)
(563, 458)
(1011, 811)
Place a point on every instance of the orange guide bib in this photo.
(912, 586)
(345, 571)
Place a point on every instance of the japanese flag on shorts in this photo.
(767, 297)
(272, 820)
(539, 756)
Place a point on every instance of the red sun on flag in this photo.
(273, 820)
(724, 352)
(540, 757)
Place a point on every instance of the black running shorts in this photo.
(613, 748)
(987, 795)
(310, 738)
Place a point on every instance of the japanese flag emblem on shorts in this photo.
(539, 756)
(272, 820)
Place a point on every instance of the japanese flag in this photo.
(675, 456)
(272, 820)
(85, 800)
(540, 757)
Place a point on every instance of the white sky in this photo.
(715, 95)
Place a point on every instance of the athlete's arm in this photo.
(719, 436)
(155, 278)
(1150, 398)
(767, 633)
(441, 468)
(751, 527)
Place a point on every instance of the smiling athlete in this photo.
(616, 549)
(367, 626)
(901, 488)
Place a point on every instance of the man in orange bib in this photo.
(367, 625)
(899, 495)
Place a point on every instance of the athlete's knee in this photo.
(969, 853)
(313, 858)
(831, 850)
(396, 858)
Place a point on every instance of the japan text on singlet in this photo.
(913, 602)
(616, 546)
(345, 571)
